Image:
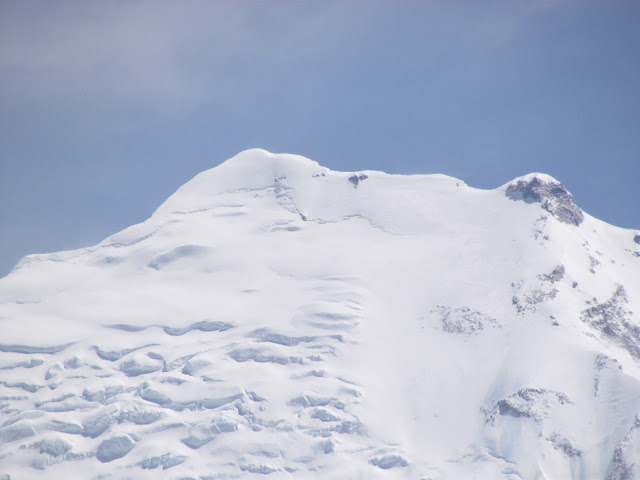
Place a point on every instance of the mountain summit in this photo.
(277, 318)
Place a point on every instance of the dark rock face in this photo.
(533, 298)
(563, 444)
(637, 239)
(622, 466)
(356, 179)
(463, 320)
(533, 403)
(555, 276)
(554, 198)
(614, 320)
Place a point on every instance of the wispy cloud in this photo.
(176, 53)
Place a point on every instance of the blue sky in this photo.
(106, 108)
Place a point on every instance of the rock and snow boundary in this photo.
(276, 318)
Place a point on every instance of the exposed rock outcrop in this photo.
(614, 320)
(554, 198)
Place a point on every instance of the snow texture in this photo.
(276, 318)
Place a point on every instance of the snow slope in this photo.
(274, 317)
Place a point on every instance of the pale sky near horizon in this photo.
(106, 108)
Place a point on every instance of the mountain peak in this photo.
(534, 176)
(251, 169)
(260, 158)
(544, 189)
(275, 316)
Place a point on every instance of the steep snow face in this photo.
(274, 317)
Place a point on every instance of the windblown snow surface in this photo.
(276, 318)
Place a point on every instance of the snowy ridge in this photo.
(277, 318)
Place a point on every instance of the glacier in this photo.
(276, 318)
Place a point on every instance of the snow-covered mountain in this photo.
(274, 317)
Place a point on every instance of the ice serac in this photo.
(546, 190)
(276, 318)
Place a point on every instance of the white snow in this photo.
(274, 317)
(543, 177)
